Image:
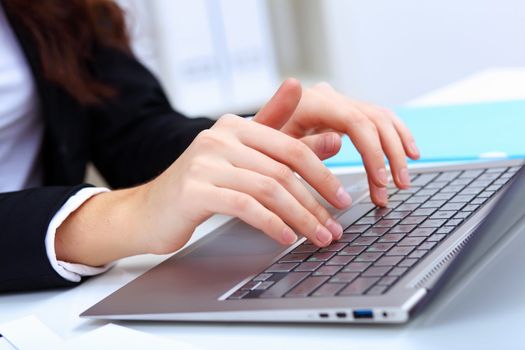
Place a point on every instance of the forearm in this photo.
(104, 229)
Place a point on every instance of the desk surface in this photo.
(476, 315)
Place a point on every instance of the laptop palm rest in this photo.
(204, 271)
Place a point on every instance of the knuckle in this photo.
(239, 202)
(283, 174)
(197, 166)
(228, 120)
(208, 139)
(267, 187)
(327, 177)
(297, 150)
(319, 211)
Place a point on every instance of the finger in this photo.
(229, 202)
(378, 195)
(297, 156)
(391, 144)
(402, 130)
(276, 112)
(362, 132)
(409, 143)
(324, 145)
(275, 197)
(258, 162)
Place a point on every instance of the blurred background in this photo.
(217, 56)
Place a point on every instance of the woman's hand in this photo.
(323, 115)
(239, 168)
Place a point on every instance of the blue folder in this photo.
(457, 132)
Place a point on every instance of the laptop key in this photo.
(309, 266)
(436, 237)
(239, 294)
(387, 223)
(443, 214)
(284, 285)
(264, 285)
(364, 240)
(376, 271)
(352, 250)
(356, 229)
(380, 247)
(359, 286)
(356, 267)
(334, 247)
(389, 261)
(329, 289)
(306, 287)
(340, 260)
(413, 220)
(402, 228)
(348, 237)
(324, 256)
(427, 245)
(377, 290)
(327, 270)
(422, 232)
(398, 271)
(453, 206)
(423, 179)
(305, 249)
(281, 267)
(445, 229)
(344, 277)
(291, 258)
(433, 204)
(376, 231)
(412, 241)
(391, 238)
(387, 280)
(418, 254)
(262, 277)
(433, 223)
(367, 257)
(397, 215)
(401, 251)
(354, 214)
(408, 262)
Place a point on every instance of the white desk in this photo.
(475, 317)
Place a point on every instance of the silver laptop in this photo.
(388, 264)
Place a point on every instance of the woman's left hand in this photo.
(324, 115)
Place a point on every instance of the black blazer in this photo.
(131, 138)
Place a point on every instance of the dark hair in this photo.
(65, 33)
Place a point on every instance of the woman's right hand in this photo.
(244, 169)
(239, 168)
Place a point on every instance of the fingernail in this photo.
(343, 197)
(323, 235)
(404, 177)
(413, 148)
(382, 195)
(335, 228)
(288, 236)
(382, 176)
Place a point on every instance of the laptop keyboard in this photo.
(381, 245)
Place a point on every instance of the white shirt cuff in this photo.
(69, 271)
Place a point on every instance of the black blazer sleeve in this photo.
(132, 137)
(24, 218)
(137, 134)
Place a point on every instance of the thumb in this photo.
(276, 112)
(324, 145)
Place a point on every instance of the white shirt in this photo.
(21, 133)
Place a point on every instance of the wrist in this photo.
(105, 228)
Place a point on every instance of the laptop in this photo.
(389, 263)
